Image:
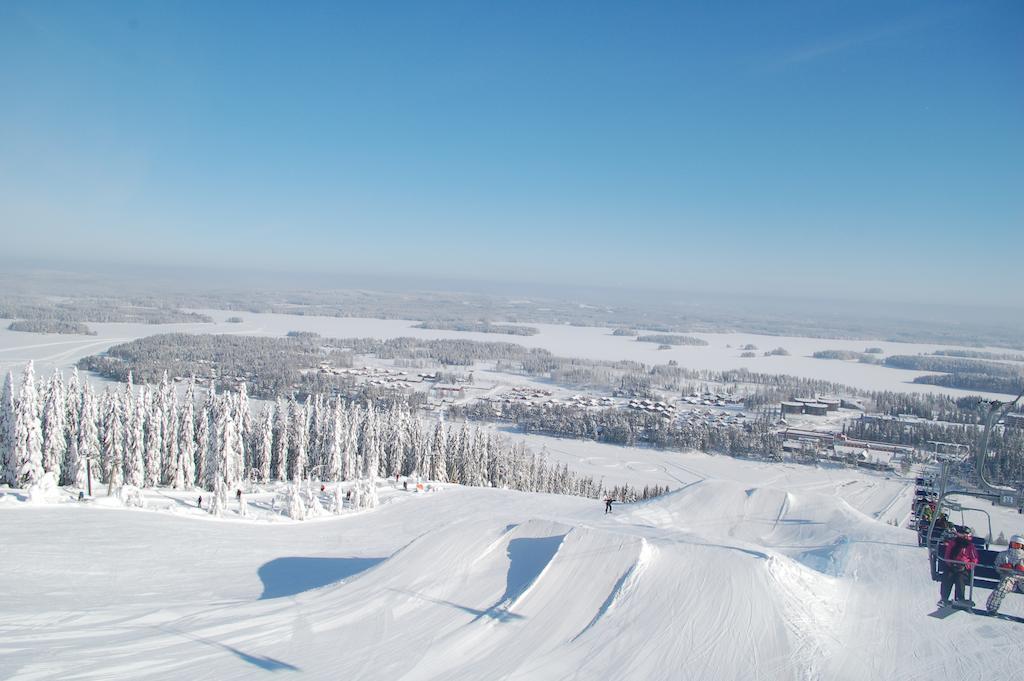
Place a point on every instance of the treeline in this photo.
(952, 365)
(98, 310)
(671, 339)
(143, 437)
(1006, 445)
(963, 373)
(979, 382)
(479, 327)
(979, 354)
(270, 366)
(847, 355)
(50, 326)
(628, 428)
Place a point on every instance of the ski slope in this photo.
(722, 579)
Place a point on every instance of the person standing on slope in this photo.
(608, 504)
(1010, 565)
(961, 556)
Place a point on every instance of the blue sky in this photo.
(855, 149)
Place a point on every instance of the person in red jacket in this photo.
(961, 555)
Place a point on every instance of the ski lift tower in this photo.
(992, 411)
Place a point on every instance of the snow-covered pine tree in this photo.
(88, 436)
(317, 436)
(369, 445)
(55, 442)
(229, 446)
(279, 461)
(350, 452)
(28, 432)
(187, 437)
(202, 440)
(154, 446)
(333, 439)
(170, 463)
(300, 442)
(7, 417)
(393, 423)
(415, 449)
(135, 439)
(214, 405)
(263, 444)
(439, 454)
(73, 412)
(113, 440)
(245, 430)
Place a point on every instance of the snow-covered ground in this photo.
(723, 352)
(748, 571)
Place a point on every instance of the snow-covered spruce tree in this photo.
(369, 445)
(55, 442)
(316, 438)
(439, 454)
(7, 468)
(333, 440)
(337, 500)
(187, 437)
(350, 451)
(279, 461)
(167, 398)
(245, 430)
(135, 440)
(416, 451)
(134, 454)
(28, 432)
(207, 440)
(88, 436)
(154, 445)
(300, 441)
(73, 412)
(229, 449)
(113, 440)
(263, 445)
(394, 445)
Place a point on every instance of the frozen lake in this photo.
(722, 352)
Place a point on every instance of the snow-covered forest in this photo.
(146, 436)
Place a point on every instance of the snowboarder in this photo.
(322, 488)
(961, 555)
(405, 485)
(1010, 565)
(608, 504)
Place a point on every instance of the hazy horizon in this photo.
(855, 153)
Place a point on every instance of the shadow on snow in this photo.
(293, 575)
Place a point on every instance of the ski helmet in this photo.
(1018, 539)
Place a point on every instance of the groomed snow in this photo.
(727, 578)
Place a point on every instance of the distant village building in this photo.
(792, 408)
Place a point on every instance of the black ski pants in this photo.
(954, 577)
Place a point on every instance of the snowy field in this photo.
(747, 572)
(62, 351)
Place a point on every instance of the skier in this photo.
(238, 495)
(1010, 565)
(961, 556)
(608, 504)
(200, 502)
